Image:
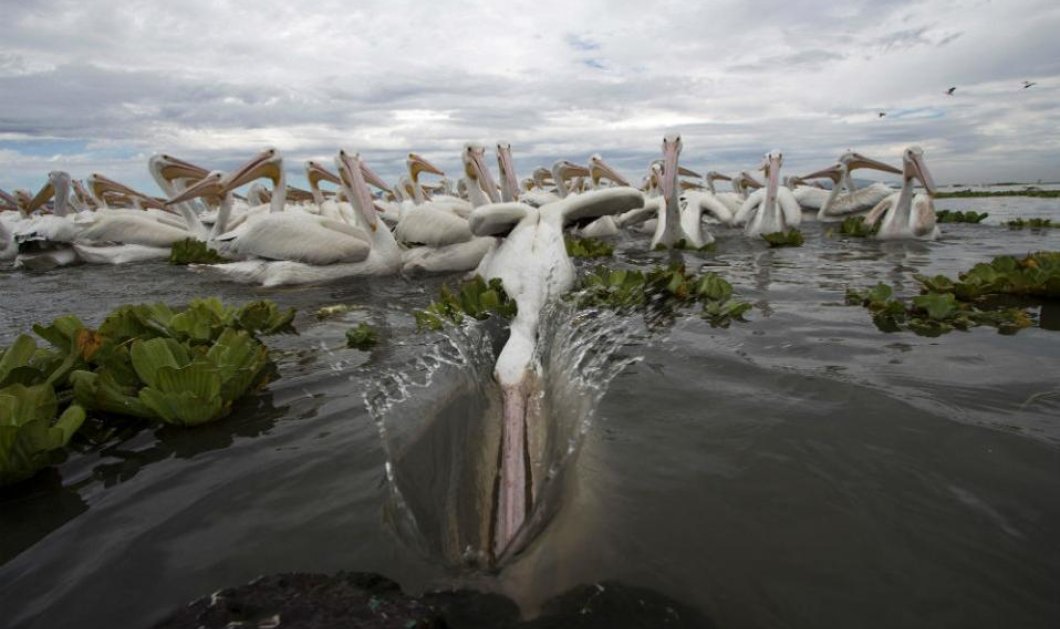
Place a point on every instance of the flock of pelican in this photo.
(507, 229)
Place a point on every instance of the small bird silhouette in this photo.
(951, 91)
(882, 114)
(1027, 84)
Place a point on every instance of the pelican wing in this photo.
(430, 226)
(789, 208)
(752, 202)
(636, 217)
(497, 218)
(712, 205)
(129, 229)
(596, 203)
(287, 236)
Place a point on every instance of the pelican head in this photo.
(209, 186)
(913, 166)
(417, 164)
(853, 160)
(351, 173)
(771, 166)
(563, 170)
(671, 147)
(474, 158)
(58, 186)
(314, 174)
(509, 182)
(599, 169)
(166, 169)
(713, 176)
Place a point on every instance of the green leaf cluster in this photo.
(192, 251)
(944, 305)
(956, 216)
(588, 247)
(145, 360)
(1035, 275)
(789, 238)
(475, 298)
(661, 290)
(1030, 223)
(855, 226)
(362, 337)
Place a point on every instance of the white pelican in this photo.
(533, 265)
(293, 235)
(835, 204)
(426, 222)
(906, 216)
(46, 241)
(356, 252)
(446, 248)
(773, 208)
(606, 225)
(675, 225)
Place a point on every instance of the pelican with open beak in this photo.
(905, 215)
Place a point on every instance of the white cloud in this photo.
(89, 88)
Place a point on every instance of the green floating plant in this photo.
(790, 238)
(475, 298)
(956, 216)
(588, 247)
(947, 304)
(1029, 223)
(855, 226)
(362, 337)
(30, 435)
(202, 321)
(192, 251)
(661, 290)
(1035, 275)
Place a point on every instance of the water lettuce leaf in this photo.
(30, 435)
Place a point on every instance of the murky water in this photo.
(800, 470)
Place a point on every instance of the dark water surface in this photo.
(800, 470)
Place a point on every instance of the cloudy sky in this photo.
(98, 86)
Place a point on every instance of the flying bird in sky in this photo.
(951, 91)
(1027, 84)
(882, 114)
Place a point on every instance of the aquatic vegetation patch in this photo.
(660, 291)
(149, 361)
(1035, 275)
(362, 337)
(855, 226)
(588, 247)
(932, 314)
(956, 216)
(1029, 223)
(977, 297)
(790, 238)
(192, 251)
(475, 298)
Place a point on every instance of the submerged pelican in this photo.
(906, 216)
(532, 264)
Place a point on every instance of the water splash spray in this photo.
(439, 421)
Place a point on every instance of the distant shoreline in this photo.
(968, 193)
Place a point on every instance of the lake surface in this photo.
(802, 469)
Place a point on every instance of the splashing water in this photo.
(440, 424)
